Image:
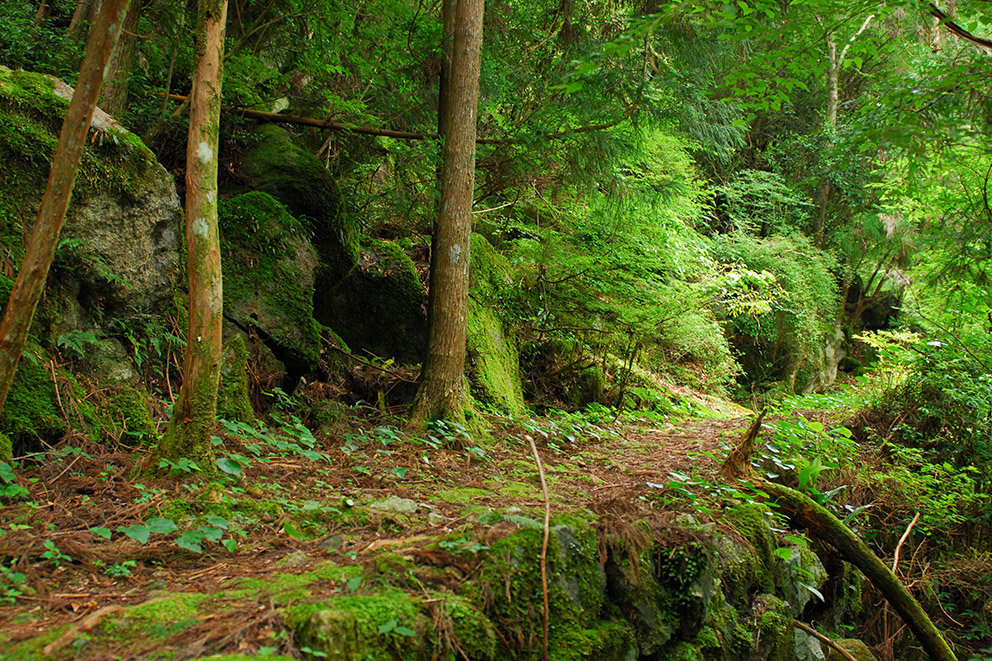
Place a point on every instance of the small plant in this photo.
(9, 488)
(10, 582)
(182, 467)
(53, 554)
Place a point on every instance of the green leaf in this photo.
(815, 427)
(106, 533)
(230, 545)
(161, 526)
(353, 584)
(137, 532)
(398, 471)
(290, 529)
(190, 541)
(388, 626)
(405, 631)
(218, 521)
(783, 552)
(229, 466)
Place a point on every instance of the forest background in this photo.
(673, 204)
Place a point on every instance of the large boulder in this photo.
(279, 165)
(269, 268)
(381, 306)
(493, 355)
(119, 251)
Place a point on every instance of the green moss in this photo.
(268, 274)
(381, 306)
(751, 521)
(463, 496)
(286, 589)
(232, 396)
(123, 415)
(512, 578)
(776, 633)
(348, 627)
(280, 166)
(493, 356)
(605, 641)
(471, 631)
(493, 362)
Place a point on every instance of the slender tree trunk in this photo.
(44, 11)
(442, 386)
(40, 250)
(84, 13)
(194, 412)
(114, 97)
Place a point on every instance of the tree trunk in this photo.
(40, 250)
(82, 16)
(114, 97)
(193, 415)
(442, 385)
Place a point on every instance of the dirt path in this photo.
(364, 493)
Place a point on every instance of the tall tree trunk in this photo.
(82, 16)
(114, 97)
(44, 11)
(193, 415)
(38, 256)
(442, 386)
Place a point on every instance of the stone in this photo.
(396, 505)
(279, 165)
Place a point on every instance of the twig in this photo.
(902, 540)
(819, 636)
(86, 625)
(58, 396)
(544, 544)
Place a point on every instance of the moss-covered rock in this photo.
(381, 306)
(120, 244)
(233, 402)
(122, 414)
(493, 356)
(282, 167)
(269, 277)
(854, 647)
(576, 588)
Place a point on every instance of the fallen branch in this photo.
(87, 625)
(823, 525)
(300, 120)
(902, 540)
(544, 544)
(738, 462)
(847, 656)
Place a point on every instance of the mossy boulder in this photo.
(120, 244)
(233, 402)
(269, 271)
(511, 580)
(279, 165)
(493, 356)
(381, 306)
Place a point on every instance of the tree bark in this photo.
(83, 14)
(114, 97)
(194, 412)
(44, 237)
(442, 386)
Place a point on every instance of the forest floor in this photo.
(347, 499)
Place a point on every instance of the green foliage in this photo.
(777, 324)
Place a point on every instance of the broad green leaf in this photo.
(137, 532)
(106, 533)
(161, 526)
(229, 466)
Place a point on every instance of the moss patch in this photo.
(269, 275)
(232, 396)
(493, 356)
(280, 166)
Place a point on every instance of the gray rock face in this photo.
(137, 239)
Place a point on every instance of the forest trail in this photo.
(289, 514)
